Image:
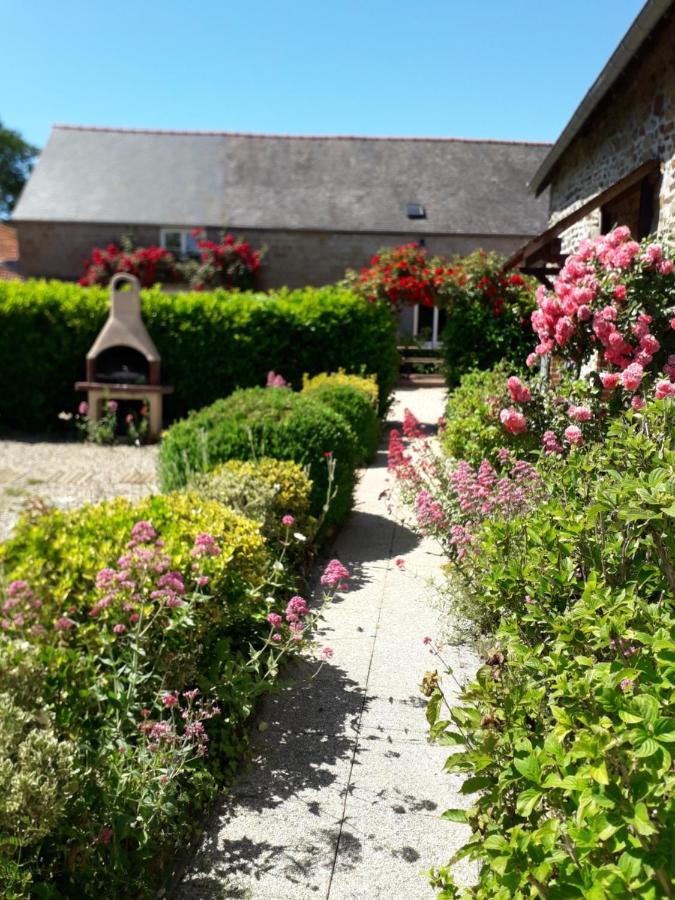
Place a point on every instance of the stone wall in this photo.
(633, 124)
(293, 258)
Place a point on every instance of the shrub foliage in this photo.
(210, 343)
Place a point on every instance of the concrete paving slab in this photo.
(344, 796)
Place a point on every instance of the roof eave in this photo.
(642, 27)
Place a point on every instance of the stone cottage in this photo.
(319, 204)
(614, 163)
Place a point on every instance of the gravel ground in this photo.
(69, 473)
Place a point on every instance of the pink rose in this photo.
(665, 267)
(580, 413)
(531, 360)
(513, 421)
(637, 403)
(631, 376)
(664, 389)
(610, 380)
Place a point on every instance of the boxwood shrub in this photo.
(260, 422)
(350, 396)
(210, 343)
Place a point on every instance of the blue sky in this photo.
(509, 69)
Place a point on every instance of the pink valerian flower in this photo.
(288, 521)
(664, 389)
(631, 377)
(276, 381)
(275, 620)
(574, 436)
(429, 512)
(169, 700)
(202, 580)
(550, 443)
(326, 654)
(205, 545)
(520, 393)
(580, 413)
(426, 641)
(112, 405)
(626, 684)
(334, 574)
(400, 562)
(296, 610)
(513, 421)
(411, 425)
(142, 533)
(276, 638)
(119, 628)
(64, 623)
(83, 408)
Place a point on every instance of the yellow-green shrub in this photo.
(365, 383)
(59, 553)
(264, 491)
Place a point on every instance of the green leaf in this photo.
(476, 783)
(529, 767)
(647, 706)
(599, 773)
(527, 800)
(455, 815)
(641, 821)
(433, 706)
(647, 748)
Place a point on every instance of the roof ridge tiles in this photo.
(298, 137)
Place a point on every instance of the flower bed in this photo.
(230, 339)
(135, 640)
(565, 736)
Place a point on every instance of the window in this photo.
(428, 324)
(415, 211)
(179, 241)
(636, 208)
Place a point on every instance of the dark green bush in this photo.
(210, 343)
(257, 422)
(487, 316)
(354, 405)
(472, 430)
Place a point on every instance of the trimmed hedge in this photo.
(260, 422)
(352, 400)
(210, 343)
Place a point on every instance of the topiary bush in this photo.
(352, 402)
(231, 339)
(259, 422)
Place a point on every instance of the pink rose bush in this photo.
(611, 311)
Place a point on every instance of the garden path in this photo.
(344, 794)
(69, 473)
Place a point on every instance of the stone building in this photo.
(319, 204)
(614, 163)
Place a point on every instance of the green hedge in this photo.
(210, 343)
(352, 402)
(257, 422)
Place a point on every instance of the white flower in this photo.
(278, 566)
(65, 416)
(298, 536)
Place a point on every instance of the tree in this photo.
(16, 161)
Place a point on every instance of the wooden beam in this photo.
(620, 187)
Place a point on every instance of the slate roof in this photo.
(241, 181)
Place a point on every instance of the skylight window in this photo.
(415, 211)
